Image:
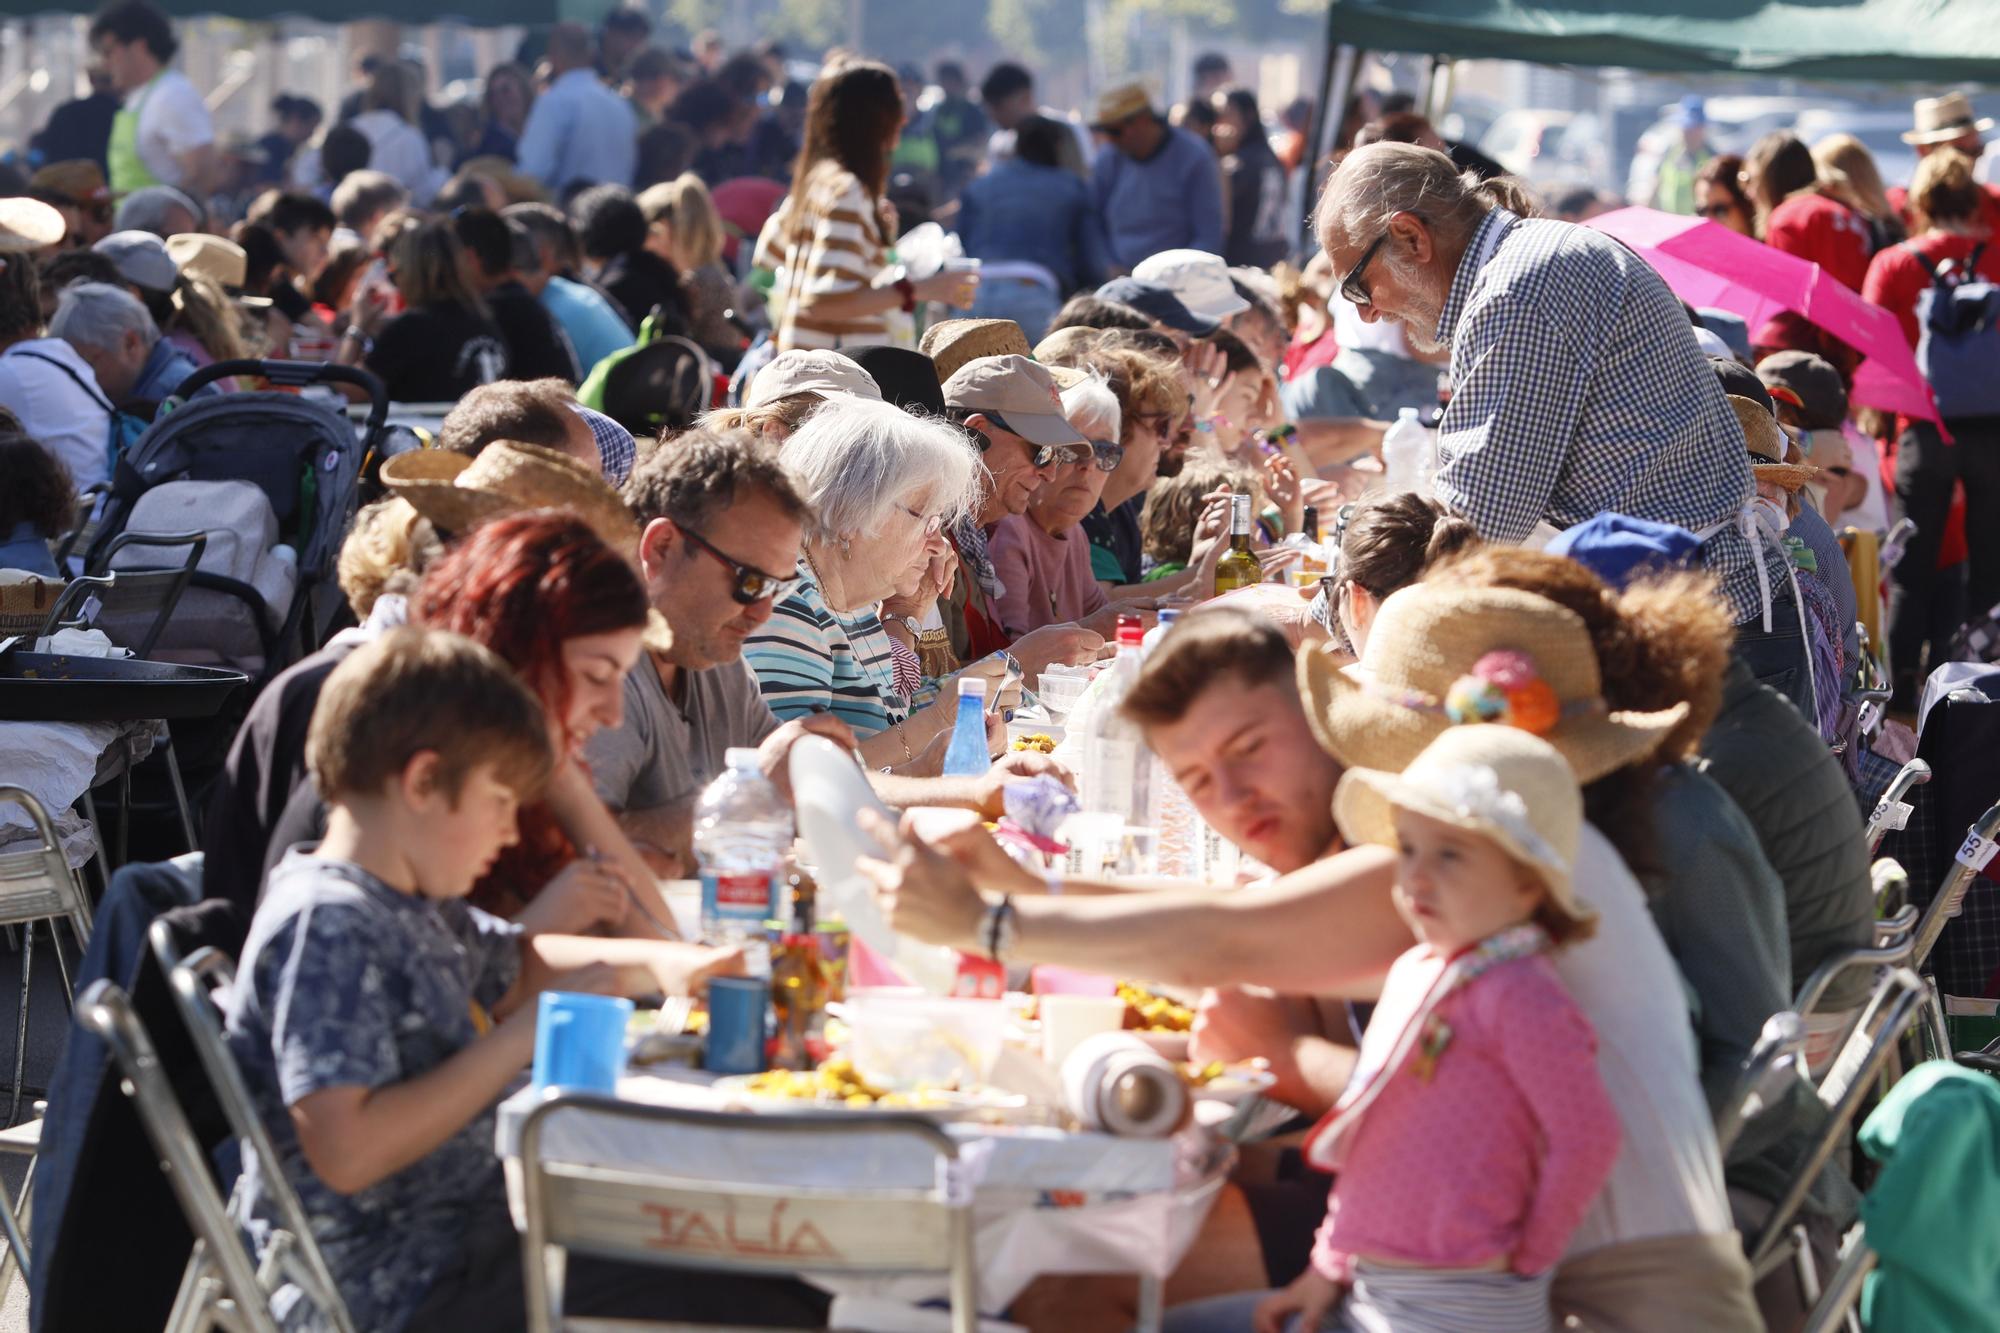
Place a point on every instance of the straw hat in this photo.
(27, 225)
(221, 261)
(1118, 105)
(953, 342)
(1766, 442)
(1440, 655)
(457, 492)
(1499, 782)
(1942, 119)
(79, 180)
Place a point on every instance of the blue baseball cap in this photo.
(1619, 548)
(1690, 114)
(1157, 303)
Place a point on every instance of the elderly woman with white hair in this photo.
(882, 486)
(1043, 555)
(112, 331)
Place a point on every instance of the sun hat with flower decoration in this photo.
(1441, 656)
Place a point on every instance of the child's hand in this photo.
(684, 969)
(1311, 1298)
(587, 894)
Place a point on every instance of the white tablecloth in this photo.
(1047, 1201)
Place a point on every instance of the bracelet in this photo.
(997, 928)
(908, 291)
(367, 343)
(903, 735)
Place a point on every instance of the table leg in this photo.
(1152, 1304)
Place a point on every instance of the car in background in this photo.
(1548, 147)
(1880, 132)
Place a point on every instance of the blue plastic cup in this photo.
(580, 1041)
(737, 1007)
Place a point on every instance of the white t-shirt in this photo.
(1667, 1180)
(398, 148)
(173, 120)
(1350, 330)
(70, 416)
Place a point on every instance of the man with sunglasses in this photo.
(1157, 186)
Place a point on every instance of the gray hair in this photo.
(363, 194)
(1373, 184)
(853, 462)
(147, 209)
(98, 315)
(1091, 408)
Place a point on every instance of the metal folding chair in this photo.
(1767, 1078)
(220, 1287)
(1891, 1008)
(36, 884)
(86, 510)
(1892, 812)
(133, 607)
(291, 1254)
(1973, 854)
(16, 1214)
(1827, 1029)
(648, 1215)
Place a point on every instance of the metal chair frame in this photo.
(1890, 1009)
(1944, 905)
(588, 1208)
(291, 1255)
(1911, 776)
(16, 1214)
(1765, 1079)
(220, 1288)
(36, 884)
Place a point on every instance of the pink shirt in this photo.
(1047, 579)
(1499, 1152)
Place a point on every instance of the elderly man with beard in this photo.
(1578, 387)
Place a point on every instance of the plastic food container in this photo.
(900, 1037)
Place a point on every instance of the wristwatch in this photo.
(355, 332)
(910, 623)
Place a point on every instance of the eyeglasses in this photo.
(933, 523)
(1107, 454)
(1352, 288)
(752, 585)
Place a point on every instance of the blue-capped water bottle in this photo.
(967, 757)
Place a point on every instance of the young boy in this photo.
(377, 1017)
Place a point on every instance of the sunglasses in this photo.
(1353, 288)
(752, 585)
(1107, 455)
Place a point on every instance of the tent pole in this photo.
(1337, 83)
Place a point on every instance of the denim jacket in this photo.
(1044, 215)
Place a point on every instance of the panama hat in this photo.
(953, 342)
(1441, 655)
(27, 225)
(1942, 119)
(458, 492)
(1499, 782)
(1766, 441)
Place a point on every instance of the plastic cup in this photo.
(737, 1007)
(580, 1041)
(1068, 1020)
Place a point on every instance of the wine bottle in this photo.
(1239, 567)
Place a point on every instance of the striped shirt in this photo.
(1580, 391)
(808, 657)
(830, 243)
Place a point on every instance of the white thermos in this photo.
(1116, 1084)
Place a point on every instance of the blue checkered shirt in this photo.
(1578, 390)
(617, 451)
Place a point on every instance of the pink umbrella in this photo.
(1707, 264)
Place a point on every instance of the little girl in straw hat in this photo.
(1475, 1131)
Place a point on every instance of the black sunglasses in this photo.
(752, 585)
(1352, 288)
(1040, 455)
(1107, 454)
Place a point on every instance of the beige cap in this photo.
(1120, 104)
(823, 373)
(1018, 395)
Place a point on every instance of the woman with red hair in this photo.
(566, 611)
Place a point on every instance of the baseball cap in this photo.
(1157, 303)
(141, 259)
(822, 373)
(1018, 395)
(1810, 384)
(1199, 279)
(1619, 548)
(907, 378)
(1739, 381)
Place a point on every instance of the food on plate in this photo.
(839, 1082)
(1153, 1013)
(1038, 741)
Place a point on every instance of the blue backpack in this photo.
(1958, 348)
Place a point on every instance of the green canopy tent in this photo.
(480, 13)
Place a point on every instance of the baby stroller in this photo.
(300, 458)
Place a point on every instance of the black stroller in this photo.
(305, 458)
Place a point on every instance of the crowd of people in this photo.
(1622, 551)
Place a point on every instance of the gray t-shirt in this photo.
(665, 751)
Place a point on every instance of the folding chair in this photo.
(1973, 855)
(133, 606)
(86, 512)
(15, 1215)
(1892, 812)
(1766, 1079)
(291, 1254)
(1827, 1029)
(1890, 1009)
(37, 885)
(630, 1213)
(219, 1288)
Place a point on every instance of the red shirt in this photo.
(1303, 358)
(1896, 278)
(1823, 230)
(1899, 199)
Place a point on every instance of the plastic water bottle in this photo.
(1407, 460)
(966, 756)
(1117, 772)
(742, 832)
(1159, 631)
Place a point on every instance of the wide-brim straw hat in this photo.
(1499, 782)
(457, 492)
(953, 342)
(1942, 119)
(1765, 440)
(27, 225)
(1440, 655)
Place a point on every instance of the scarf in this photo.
(970, 539)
